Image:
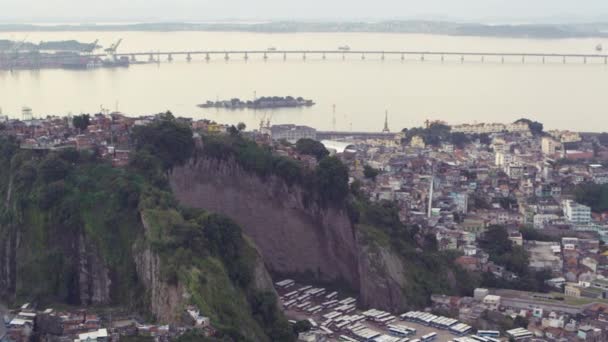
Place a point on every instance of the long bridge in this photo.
(155, 56)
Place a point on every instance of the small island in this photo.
(271, 102)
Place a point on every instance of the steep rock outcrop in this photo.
(382, 278)
(292, 237)
(165, 299)
(9, 242)
(93, 275)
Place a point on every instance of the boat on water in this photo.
(344, 48)
(599, 48)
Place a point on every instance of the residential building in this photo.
(576, 212)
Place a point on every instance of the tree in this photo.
(302, 326)
(241, 126)
(81, 122)
(593, 195)
(521, 322)
(535, 127)
(331, 179)
(369, 172)
(167, 139)
(311, 147)
(53, 168)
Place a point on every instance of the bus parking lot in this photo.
(338, 319)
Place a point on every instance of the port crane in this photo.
(111, 51)
(92, 47)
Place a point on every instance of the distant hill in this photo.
(394, 26)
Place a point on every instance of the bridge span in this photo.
(156, 56)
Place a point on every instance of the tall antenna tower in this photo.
(430, 206)
(385, 129)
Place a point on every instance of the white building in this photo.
(541, 220)
(95, 336)
(292, 133)
(550, 146)
(576, 212)
(491, 302)
(488, 128)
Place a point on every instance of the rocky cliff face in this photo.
(165, 299)
(292, 237)
(383, 277)
(93, 275)
(9, 242)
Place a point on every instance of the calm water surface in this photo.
(571, 96)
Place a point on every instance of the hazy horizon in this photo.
(505, 11)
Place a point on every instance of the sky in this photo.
(515, 11)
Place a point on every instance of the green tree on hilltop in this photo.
(311, 147)
(167, 139)
(81, 122)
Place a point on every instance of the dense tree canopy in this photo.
(331, 179)
(593, 195)
(82, 121)
(167, 139)
(311, 147)
(370, 172)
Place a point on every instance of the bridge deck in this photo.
(363, 52)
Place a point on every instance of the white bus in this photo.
(488, 333)
(429, 337)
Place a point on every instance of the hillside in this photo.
(76, 230)
(310, 226)
(185, 225)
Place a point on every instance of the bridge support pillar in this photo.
(188, 57)
(382, 56)
(170, 58)
(151, 58)
(246, 57)
(483, 59)
(605, 60)
(422, 58)
(343, 56)
(207, 57)
(226, 56)
(502, 59)
(462, 59)
(284, 56)
(362, 56)
(543, 59)
(402, 57)
(523, 59)
(265, 56)
(564, 60)
(304, 56)
(442, 58)
(133, 59)
(324, 57)
(585, 60)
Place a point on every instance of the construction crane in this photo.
(111, 51)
